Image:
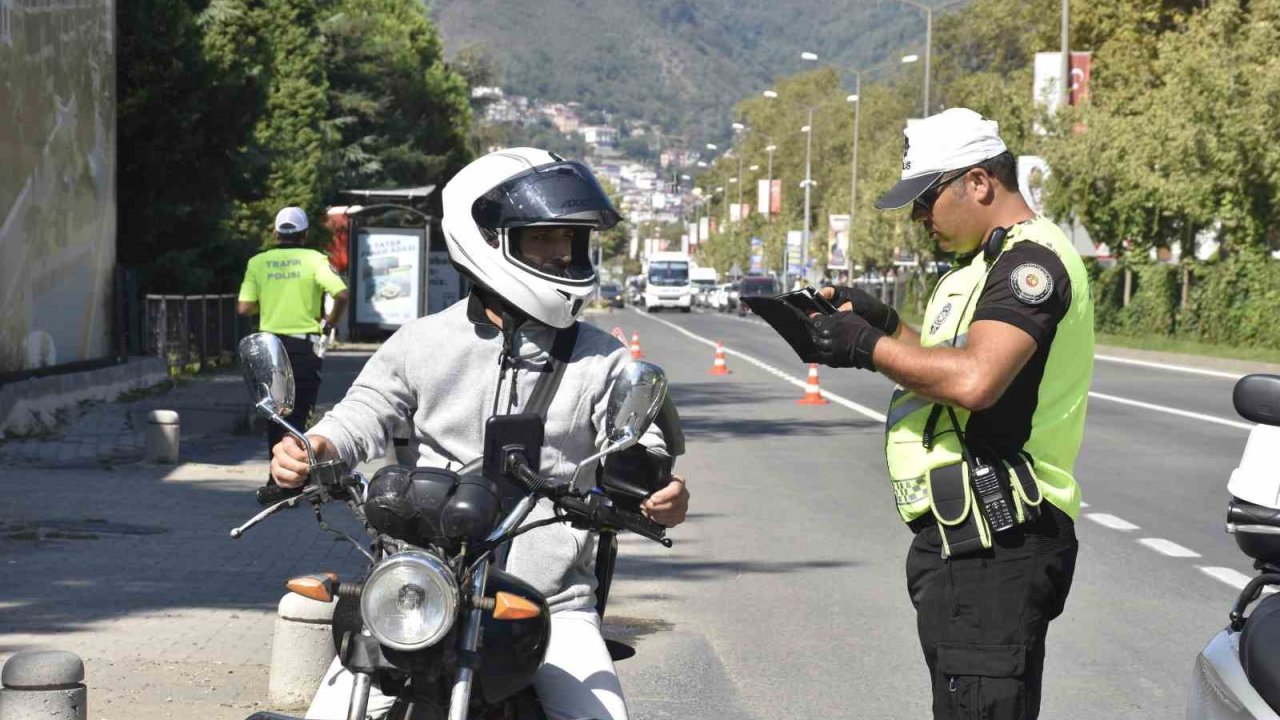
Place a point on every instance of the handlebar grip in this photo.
(607, 516)
(272, 494)
(642, 526)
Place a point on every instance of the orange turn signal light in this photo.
(513, 607)
(317, 586)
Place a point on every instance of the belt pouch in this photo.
(1026, 491)
(961, 527)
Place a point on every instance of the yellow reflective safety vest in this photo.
(919, 434)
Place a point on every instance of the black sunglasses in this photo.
(924, 201)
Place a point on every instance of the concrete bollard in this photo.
(43, 685)
(163, 430)
(301, 651)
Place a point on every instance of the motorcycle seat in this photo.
(1260, 650)
(1256, 528)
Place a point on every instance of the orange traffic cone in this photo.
(635, 346)
(812, 393)
(719, 367)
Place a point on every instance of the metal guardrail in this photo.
(192, 331)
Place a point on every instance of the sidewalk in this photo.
(131, 565)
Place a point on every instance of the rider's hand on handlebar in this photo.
(668, 505)
(289, 463)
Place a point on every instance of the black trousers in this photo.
(306, 380)
(982, 617)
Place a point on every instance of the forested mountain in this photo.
(681, 63)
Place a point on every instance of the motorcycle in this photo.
(1237, 675)
(434, 623)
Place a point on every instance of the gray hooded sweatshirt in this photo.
(443, 372)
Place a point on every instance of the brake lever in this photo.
(307, 493)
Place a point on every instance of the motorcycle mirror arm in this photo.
(267, 407)
(618, 446)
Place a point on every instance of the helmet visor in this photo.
(558, 252)
(564, 190)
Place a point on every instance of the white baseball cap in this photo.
(951, 140)
(291, 220)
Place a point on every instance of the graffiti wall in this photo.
(57, 186)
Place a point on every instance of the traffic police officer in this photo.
(984, 427)
(286, 284)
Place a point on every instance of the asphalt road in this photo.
(784, 594)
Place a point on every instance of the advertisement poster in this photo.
(795, 239)
(444, 283)
(762, 194)
(704, 229)
(775, 200)
(735, 213)
(387, 262)
(757, 255)
(837, 242)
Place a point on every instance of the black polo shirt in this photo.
(1028, 288)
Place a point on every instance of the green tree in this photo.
(401, 114)
(178, 144)
(285, 159)
(1180, 132)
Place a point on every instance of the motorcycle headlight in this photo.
(409, 601)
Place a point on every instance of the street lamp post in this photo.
(808, 184)
(856, 99)
(928, 40)
(1064, 92)
(739, 127)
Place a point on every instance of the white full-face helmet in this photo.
(488, 204)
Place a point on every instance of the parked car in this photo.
(718, 298)
(755, 287)
(611, 294)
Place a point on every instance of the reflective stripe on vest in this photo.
(1058, 421)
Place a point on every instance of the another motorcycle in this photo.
(434, 623)
(1237, 676)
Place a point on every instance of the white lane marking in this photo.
(1165, 366)
(1168, 547)
(1234, 578)
(798, 382)
(1173, 411)
(1112, 522)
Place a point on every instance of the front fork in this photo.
(359, 708)
(469, 643)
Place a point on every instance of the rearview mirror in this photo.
(1257, 398)
(634, 401)
(267, 372)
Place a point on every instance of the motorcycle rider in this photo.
(518, 223)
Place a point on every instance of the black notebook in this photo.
(788, 321)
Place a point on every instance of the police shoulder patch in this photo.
(1031, 283)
